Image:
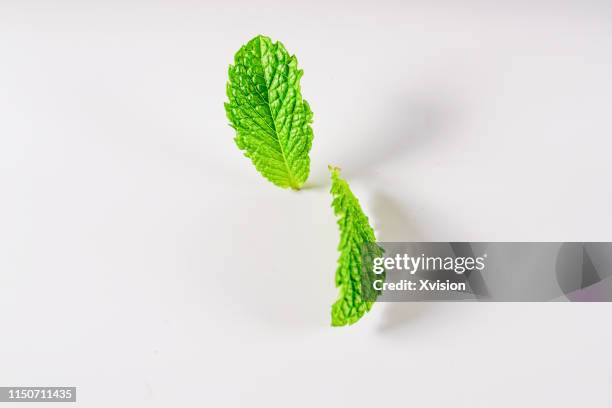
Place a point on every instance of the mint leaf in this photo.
(266, 109)
(354, 275)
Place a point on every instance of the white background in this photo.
(145, 261)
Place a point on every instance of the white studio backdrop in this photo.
(144, 261)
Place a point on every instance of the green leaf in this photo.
(266, 109)
(358, 248)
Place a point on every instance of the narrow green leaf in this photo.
(266, 109)
(354, 275)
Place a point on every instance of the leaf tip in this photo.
(334, 169)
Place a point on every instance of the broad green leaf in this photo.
(354, 275)
(266, 109)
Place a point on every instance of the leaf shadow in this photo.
(394, 224)
(405, 125)
(401, 125)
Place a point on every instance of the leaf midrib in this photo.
(292, 182)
